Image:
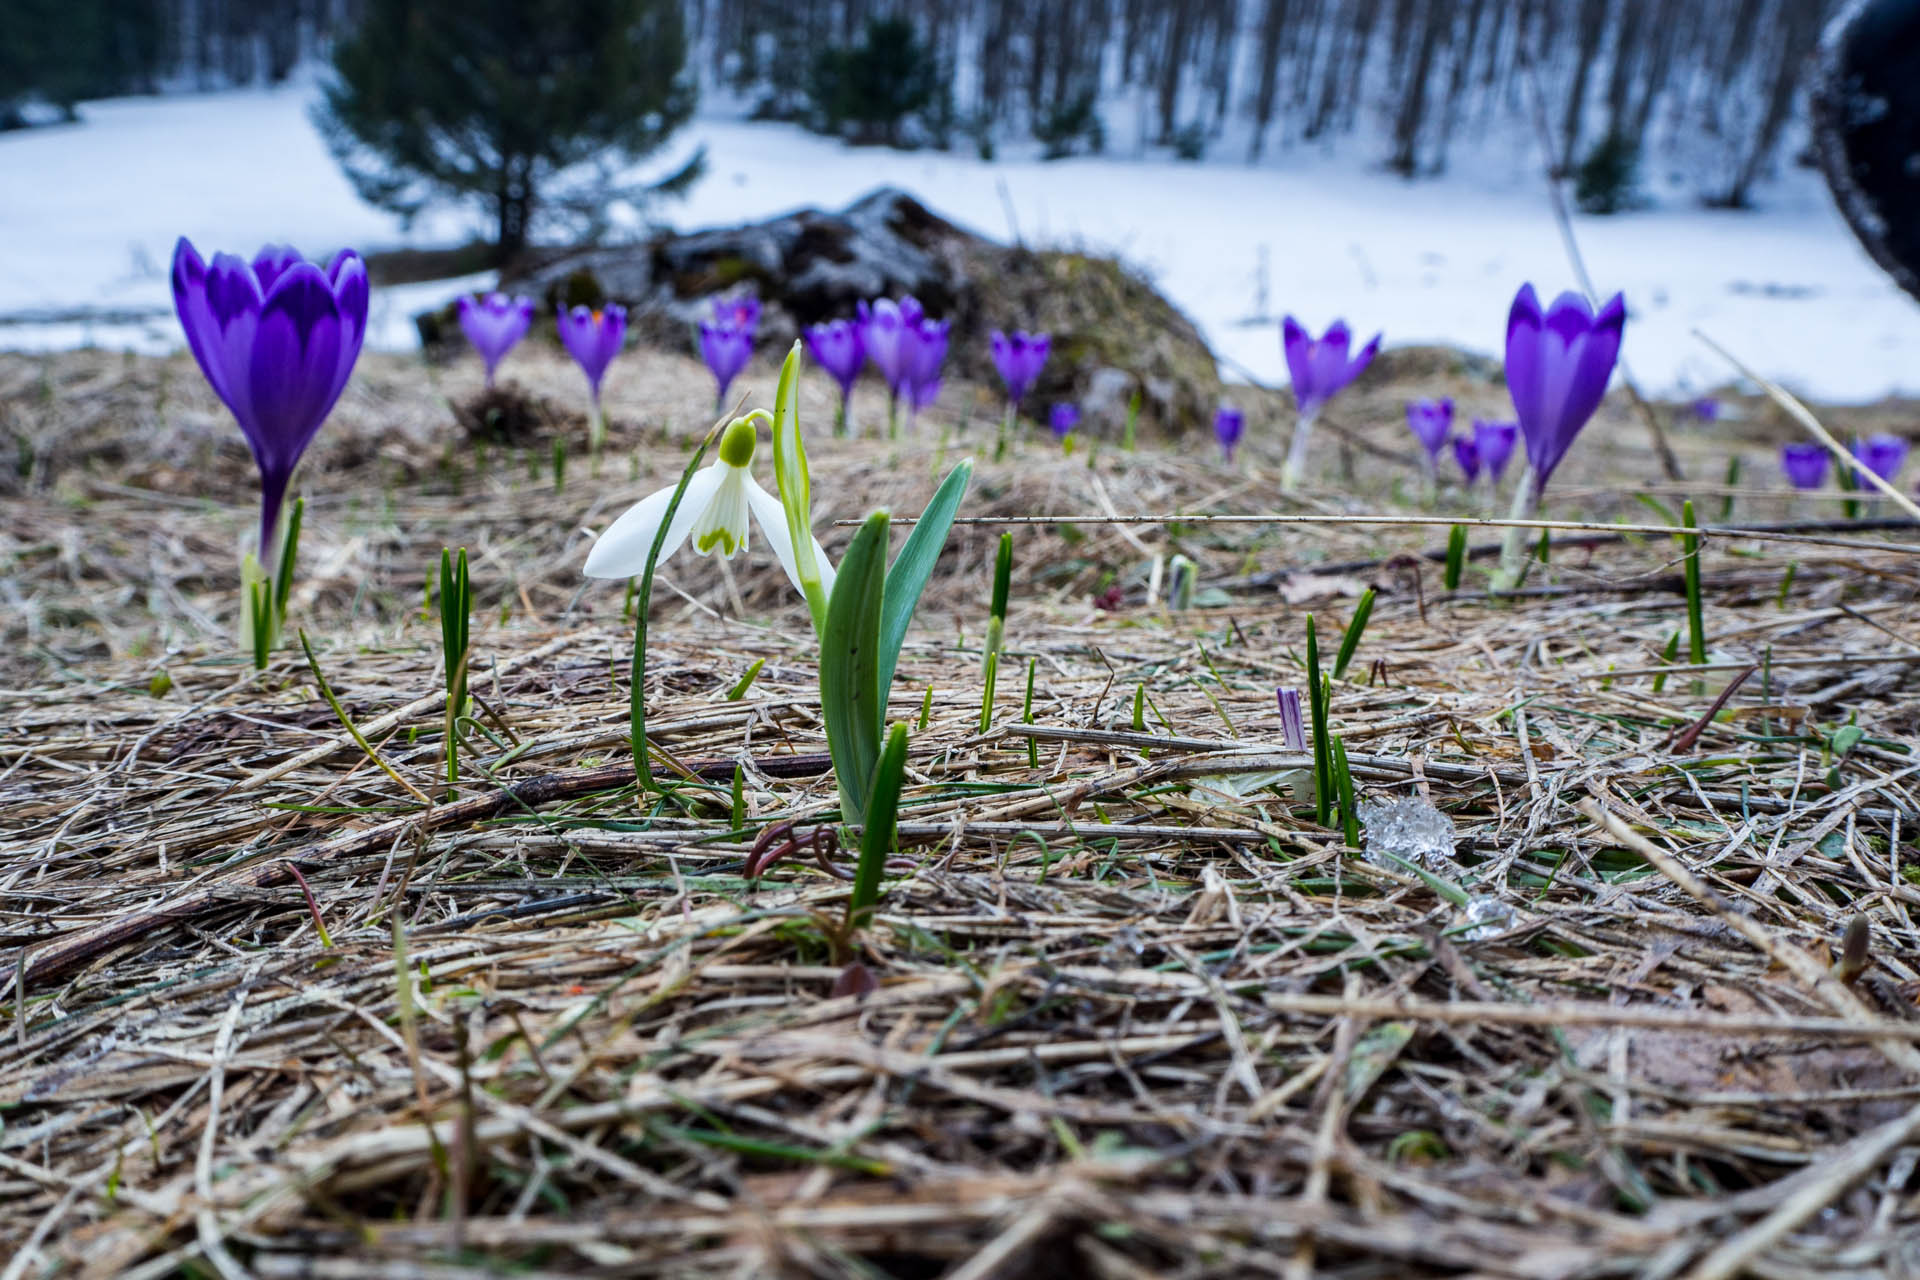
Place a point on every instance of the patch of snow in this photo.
(91, 213)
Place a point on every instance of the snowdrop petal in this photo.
(621, 552)
(772, 519)
(722, 524)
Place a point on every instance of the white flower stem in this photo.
(1513, 551)
(1296, 466)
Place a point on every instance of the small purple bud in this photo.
(1065, 417)
(1293, 731)
(1805, 464)
(1467, 454)
(1229, 424)
(1019, 358)
(493, 324)
(1431, 421)
(1882, 454)
(726, 347)
(1494, 442)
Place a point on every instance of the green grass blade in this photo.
(637, 688)
(1355, 628)
(851, 696)
(914, 565)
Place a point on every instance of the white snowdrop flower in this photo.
(714, 513)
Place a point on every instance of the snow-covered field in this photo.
(89, 213)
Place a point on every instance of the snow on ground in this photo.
(89, 214)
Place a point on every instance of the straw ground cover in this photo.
(1125, 1010)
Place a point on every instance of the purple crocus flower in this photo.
(494, 324)
(726, 346)
(1493, 442)
(1805, 464)
(1293, 729)
(277, 339)
(1467, 454)
(1882, 454)
(924, 356)
(1064, 418)
(1558, 364)
(1706, 409)
(1431, 421)
(1019, 359)
(889, 330)
(1320, 367)
(836, 346)
(1229, 424)
(742, 313)
(593, 338)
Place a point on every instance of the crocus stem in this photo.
(596, 430)
(893, 415)
(840, 418)
(1513, 552)
(1296, 466)
(1006, 434)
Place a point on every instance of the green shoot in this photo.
(851, 700)
(1322, 757)
(986, 691)
(877, 837)
(1343, 779)
(1351, 640)
(997, 610)
(1733, 482)
(1667, 656)
(737, 810)
(1456, 556)
(926, 710)
(1786, 582)
(1133, 418)
(456, 602)
(745, 682)
(1026, 717)
(559, 464)
(1696, 613)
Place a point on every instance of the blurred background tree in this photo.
(533, 110)
(875, 85)
(1707, 94)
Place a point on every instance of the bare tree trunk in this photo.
(1413, 102)
(1173, 58)
(1590, 31)
(1797, 32)
(1273, 26)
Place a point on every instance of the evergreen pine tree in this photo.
(524, 107)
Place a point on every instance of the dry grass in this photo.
(1132, 1012)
